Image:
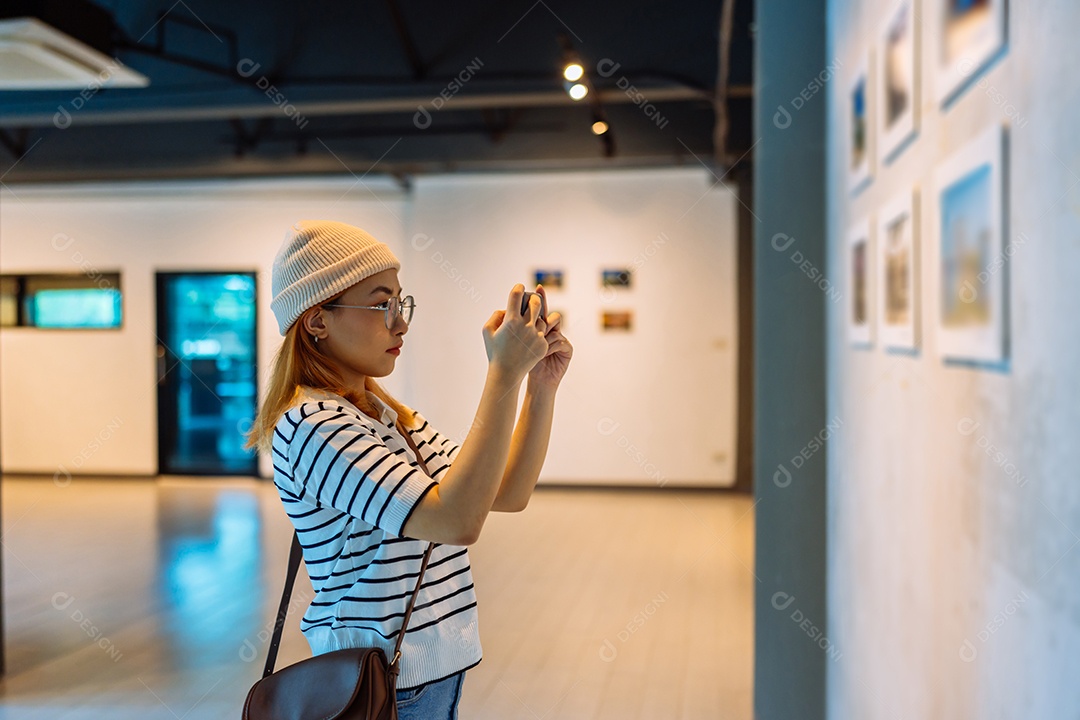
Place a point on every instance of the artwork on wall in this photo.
(898, 80)
(617, 320)
(859, 129)
(898, 278)
(970, 226)
(550, 279)
(619, 277)
(972, 34)
(859, 276)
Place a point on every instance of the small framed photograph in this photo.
(898, 80)
(617, 320)
(859, 125)
(971, 266)
(550, 279)
(972, 33)
(898, 279)
(617, 278)
(860, 324)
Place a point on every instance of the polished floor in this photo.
(139, 599)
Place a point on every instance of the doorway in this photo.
(206, 372)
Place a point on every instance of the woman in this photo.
(363, 508)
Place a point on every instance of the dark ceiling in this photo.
(349, 79)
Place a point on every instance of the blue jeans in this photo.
(434, 701)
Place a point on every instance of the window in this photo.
(61, 301)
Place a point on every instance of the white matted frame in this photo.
(898, 273)
(859, 263)
(860, 123)
(969, 223)
(898, 81)
(970, 34)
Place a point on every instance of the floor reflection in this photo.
(209, 554)
(182, 577)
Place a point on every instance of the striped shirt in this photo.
(349, 483)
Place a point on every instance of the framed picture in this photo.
(970, 226)
(898, 80)
(859, 307)
(859, 128)
(550, 279)
(617, 277)
(898, 278)
(616, 320)
(972, 33)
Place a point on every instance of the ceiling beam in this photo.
(16, 142)
(721, 156)
(416, 63)
(157, 49)
(321, 165)
(497, 125)
(137, 107)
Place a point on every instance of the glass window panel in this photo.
(50, 300)
(76, 308)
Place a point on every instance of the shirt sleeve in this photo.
(439, 442)
(341, 463)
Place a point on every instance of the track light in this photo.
(577, 84)
(573, 71)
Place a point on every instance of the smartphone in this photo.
(525, 304)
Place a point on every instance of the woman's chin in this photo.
(385, 367)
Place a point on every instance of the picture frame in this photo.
(971, 269)
(615, 277)
(898, 80)
(860, 124)
(859, 306)
(551, 279)
(898, 265)
(971, 33)
(616, 320)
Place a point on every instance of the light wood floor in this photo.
(144, 599)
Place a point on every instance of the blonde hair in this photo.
(299, 362)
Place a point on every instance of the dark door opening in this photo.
(207, 378)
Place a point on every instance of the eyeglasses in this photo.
(392, 307)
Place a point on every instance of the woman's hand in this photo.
(515, 342)
(548, 372)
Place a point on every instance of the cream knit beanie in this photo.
(319, 259)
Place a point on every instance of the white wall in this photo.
(656, 406)
(88, 399)
(932, 543)
(463, 241)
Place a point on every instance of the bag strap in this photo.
(296, 554)
(423, 565)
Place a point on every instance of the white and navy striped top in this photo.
(349, 483)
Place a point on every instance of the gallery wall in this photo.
(653, 406)
(954, 509)
(87, 399)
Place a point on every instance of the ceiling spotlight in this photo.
(573, 71)
(599, 127)
(578, 91)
